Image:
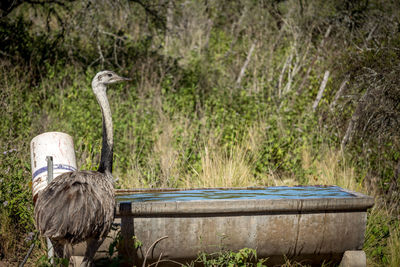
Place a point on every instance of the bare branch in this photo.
(287, 62)
(328, 31)
(101, 57)
(347, 135)
(167, 261)
(339, 93)
(371, 33)
(29, 251)
(157, 17)
(122, 38)
(354, 119)
(151, 247)
(169, 25)
(321, 90)
(242, 71)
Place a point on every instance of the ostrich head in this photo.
(106, 77)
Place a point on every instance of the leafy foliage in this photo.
(244, 257)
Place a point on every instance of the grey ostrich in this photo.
(79, 206)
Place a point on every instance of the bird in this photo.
(79, 206)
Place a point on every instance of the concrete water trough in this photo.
(312, 224)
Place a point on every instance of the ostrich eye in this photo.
(109, 75)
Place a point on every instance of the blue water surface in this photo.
(275, 192)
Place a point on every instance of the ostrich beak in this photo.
(119, 78)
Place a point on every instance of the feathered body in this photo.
(79, 206)
(76, 206)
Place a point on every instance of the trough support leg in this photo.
(354, 258)
(127, 247)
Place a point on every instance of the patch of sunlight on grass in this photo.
(222, 169)
(132, 179)
(166, 153)
(330, 169)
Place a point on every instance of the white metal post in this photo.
(49, 160)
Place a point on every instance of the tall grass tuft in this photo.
(330, 168)
(224, 168)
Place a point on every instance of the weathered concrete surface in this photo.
(293, 235)
(312, 230)
(354, 258)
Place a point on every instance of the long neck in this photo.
(106, 160)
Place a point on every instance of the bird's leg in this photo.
(67, 254)
(92, 245)
(62, 251)
(58, 249)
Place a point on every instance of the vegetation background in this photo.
(224, 93)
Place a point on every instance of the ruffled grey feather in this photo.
(76, 206)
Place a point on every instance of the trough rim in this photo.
(358, 203)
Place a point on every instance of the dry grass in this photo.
(221, 167)
(330, 169)
(224, 169)
(394, 247)
(234, 167)
(165, 152)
